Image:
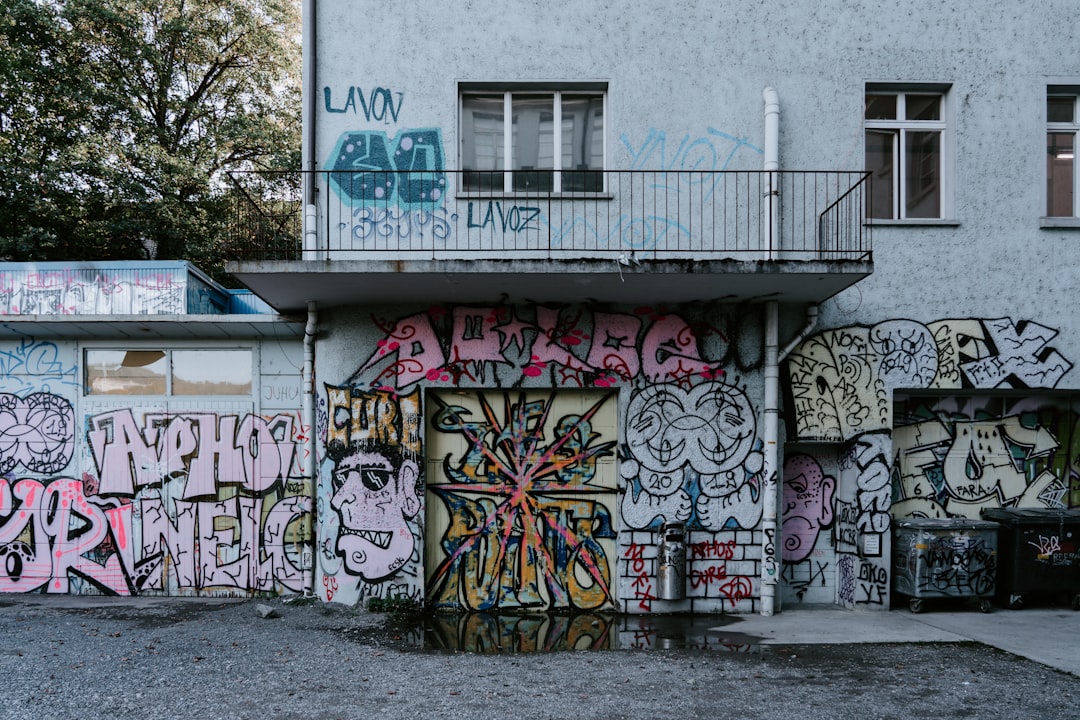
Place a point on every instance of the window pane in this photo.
(922, 158)
(880, 107)
(482, 128)
(119, 372)
(923, 107)
(1060, 109)
(533, 142)
(880, 159)
(582, 143)
(1059, 174)
(211, 372)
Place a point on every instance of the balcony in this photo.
(616, 236)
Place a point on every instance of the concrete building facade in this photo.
(576, 276)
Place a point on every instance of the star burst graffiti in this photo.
(524, 519)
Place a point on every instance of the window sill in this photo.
(1058, 223)
(527, 195)
(906, 222)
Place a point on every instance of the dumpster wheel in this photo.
(915, 605)
(1076, 602)
(984, 606)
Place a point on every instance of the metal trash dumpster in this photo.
(1040, 553)
(944, 558)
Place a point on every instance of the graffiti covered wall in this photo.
(125, 495)
(169, 502)
(933, 458)
(558, 440)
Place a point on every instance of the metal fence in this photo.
(781, 215)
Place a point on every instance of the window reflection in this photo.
(168, 372)
(126, 372)
(211, 372)
(923, 158)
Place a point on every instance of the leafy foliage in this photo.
(120, 118)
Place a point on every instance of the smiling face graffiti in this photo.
(375, 494)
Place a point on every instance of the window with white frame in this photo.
(1062, 125)
(168, 371)
(906, 146)
(532, 139)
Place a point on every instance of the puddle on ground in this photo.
(509, 634)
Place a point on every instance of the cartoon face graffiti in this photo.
(375, 494)
(808, 505)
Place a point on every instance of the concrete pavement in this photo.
(1047, 635)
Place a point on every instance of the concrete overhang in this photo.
(288, 286)
(146, 327)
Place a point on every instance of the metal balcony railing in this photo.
(782, 215)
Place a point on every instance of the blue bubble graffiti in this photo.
(367, 169)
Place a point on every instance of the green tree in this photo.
(120, 118)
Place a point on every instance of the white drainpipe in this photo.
(307, 130)
(772, 164)
(770, 567)
(311, 464)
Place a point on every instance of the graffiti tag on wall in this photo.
(29, 366)
(501, 345)
(370, 170)
(523, 498)
(371, 496)
(179, 503)
(377, 104)
(692, 456)
(77, 292)
(842, 380)
(953, 461)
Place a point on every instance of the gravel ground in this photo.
(65, 658)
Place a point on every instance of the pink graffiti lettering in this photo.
(669, 350)
(63, 527)
(52, 534)
(614, 348)
(255, 453)
(414, 348)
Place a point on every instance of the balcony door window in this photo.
(532, 141)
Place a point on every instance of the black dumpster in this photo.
(944, 558)
(1039, 554)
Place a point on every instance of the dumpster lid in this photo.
(1031, 516)
(945, 524)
